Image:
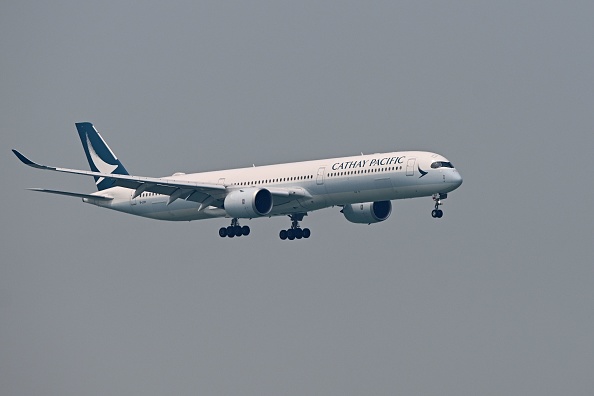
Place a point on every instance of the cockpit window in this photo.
(441, 164)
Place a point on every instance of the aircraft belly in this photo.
(313, 204)
(179, 210)
(342, 198)
(187, 214)
(415, 191)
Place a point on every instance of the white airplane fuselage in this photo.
(322, 183)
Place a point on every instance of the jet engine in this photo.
(368, 212)
(248, 203)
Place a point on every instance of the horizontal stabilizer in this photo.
(72, 194)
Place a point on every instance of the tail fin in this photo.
(100, 157)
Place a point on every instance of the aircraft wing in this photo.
(204, 193)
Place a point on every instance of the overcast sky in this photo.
(495, 298)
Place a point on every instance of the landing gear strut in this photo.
(295, 232)
(234, 230)
(438, 213)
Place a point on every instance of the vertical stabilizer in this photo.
(100, 157)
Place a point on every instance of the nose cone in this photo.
(456, 179)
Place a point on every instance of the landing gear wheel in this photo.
(230, 231)
(438, 213)
(295, 232)
(234, 230)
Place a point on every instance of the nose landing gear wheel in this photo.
(438, 213)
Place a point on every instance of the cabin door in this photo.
(410, 167)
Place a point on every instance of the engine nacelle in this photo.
(368, 212)
(248, 203)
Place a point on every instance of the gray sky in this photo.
(495, 298)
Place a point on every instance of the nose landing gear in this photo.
(234, 230)
(438, 213)
(295, 232)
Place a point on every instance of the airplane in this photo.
(363, 186)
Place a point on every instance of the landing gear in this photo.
(295, 232)
(234, 230)
(438, 213)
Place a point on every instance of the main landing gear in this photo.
(295, 232)
(234, 230)
(438, 213)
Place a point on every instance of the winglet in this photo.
(28, 162)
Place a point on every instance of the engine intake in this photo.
(248, 203)
(368, 212)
